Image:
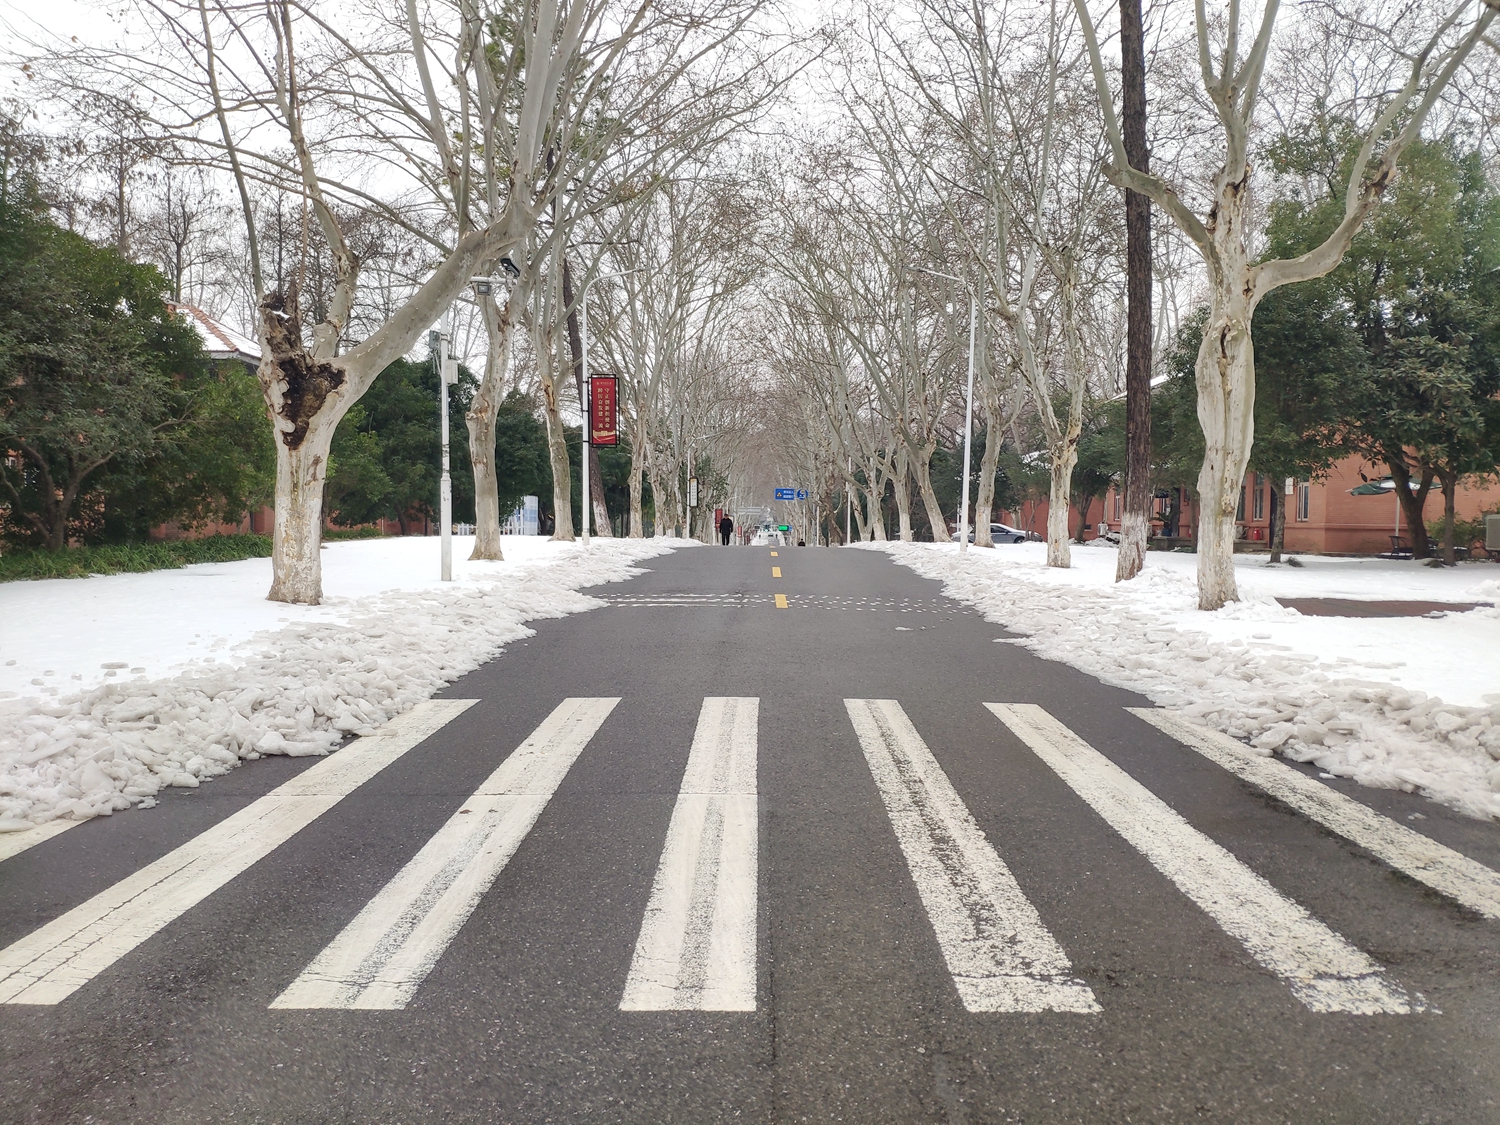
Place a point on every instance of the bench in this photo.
(1401, 549)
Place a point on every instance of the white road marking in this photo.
(696, 949)
(1443, 869)
(54, 961)
(14, 843)
(1325, 972)
(1003, 959)
(380, 958)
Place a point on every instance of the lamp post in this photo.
(588, 422)
(447, 373)
(963, 504)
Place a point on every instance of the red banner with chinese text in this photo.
(603, 400)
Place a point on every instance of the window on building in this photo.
(1258, 506)
(1117, 505)
(1239, 512)
(1304, 499)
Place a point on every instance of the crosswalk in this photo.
(381, 957)
(697, 943)
(696, 948)
(52, 963)
(1001, 956)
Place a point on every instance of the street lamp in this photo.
(588, 422)
(447, 375)
(963, 509)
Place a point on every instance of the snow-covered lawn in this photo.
(1409, 703)
(113, 687)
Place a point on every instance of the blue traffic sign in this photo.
(786, 494)
(801, 494)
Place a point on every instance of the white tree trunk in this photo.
(544, 338)
(984, 502)
(1135, 529)
(481, 423)
(874, 497)
(480, 419)
(562, 471)
(296, 552)
(903, 498)
(637, 526)
(935, 517)
(1064, 455)
(602, 525)
(1226, 412)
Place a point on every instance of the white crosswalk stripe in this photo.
(380, 958)
(696, 948)
(1324, 971)
(1444, 870)
(1001, 956)
(54, 961)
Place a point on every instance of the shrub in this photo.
(80, 562)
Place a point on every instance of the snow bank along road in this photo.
(218, 674)
(755, 844)
(1397, 702)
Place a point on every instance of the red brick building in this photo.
(1322, 517)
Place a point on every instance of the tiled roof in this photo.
(219, 341)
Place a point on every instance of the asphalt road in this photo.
(855, 977)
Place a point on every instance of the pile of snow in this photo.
(280, 680)
(1395, 703)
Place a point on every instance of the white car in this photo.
(1003, 533)
(768, 537)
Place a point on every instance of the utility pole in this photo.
(1135, 519)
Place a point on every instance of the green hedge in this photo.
(336, 533)
(80, 562)
(1464, 531)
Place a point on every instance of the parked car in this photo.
(1003, 533)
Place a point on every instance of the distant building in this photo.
(219, 342)
(1322, 517)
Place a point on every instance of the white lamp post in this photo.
(447, 374)
(963, 505)
(588, 425)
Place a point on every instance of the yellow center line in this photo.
(774, 555)
(780, 601)
(776, 572)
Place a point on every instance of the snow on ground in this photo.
(115, 686)
(1397, 703)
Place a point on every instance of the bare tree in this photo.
(457, 123)
(1024, 200)
(1135, 518)
(1225, 372)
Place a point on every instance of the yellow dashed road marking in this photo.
(780, 601)
(776, 572)
(774, 555)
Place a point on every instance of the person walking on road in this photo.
(726, 529)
